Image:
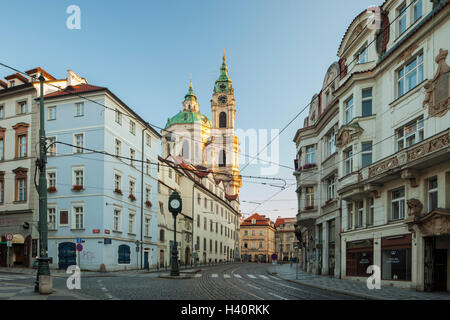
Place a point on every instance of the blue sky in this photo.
(145, 51)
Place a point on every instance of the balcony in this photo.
(307, 216)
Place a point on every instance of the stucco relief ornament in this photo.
(415, 208)
(438, 89)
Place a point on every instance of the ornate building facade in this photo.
(257, 239)
(393, 146)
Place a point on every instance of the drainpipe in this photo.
(142, 194)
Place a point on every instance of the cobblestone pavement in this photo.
(355, 288)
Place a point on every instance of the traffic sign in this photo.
(9, 236)
(274, 256)
(79, 240)
(79, 247)
(9, 243)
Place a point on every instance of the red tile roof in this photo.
(82, 88)
(279, 221)
(17, 76)
(3, 84)
(260, 220)
(39, 70)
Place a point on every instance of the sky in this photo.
(146, 51)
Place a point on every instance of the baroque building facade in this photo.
(285, 238)
(392, 146)
(257, 239)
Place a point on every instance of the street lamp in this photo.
(298, 235)
(175, 205)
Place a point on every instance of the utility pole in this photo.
(43, 283)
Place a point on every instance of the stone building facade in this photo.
(257, 239)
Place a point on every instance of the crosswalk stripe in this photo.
(214, 275)
(198, 275)
(251, 276)
(226, 276)
(237, 276)
(264, 277)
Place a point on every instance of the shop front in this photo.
(359, 256)
(396, 258)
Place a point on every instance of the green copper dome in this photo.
(186, 117)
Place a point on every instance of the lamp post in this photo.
(175, 206)
(298, 235)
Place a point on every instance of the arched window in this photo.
(222, 120)
(185, 150)
(222, 158)
(124, 254)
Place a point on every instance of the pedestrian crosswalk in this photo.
(235, 275)
(12, 277)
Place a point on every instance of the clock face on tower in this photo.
(223, 99)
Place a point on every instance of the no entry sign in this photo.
(79, 247)
(9, 236)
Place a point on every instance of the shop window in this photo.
(124, 254)
(359, 257)
(396, 258)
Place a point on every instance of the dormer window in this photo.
(401, 25)
(12, 83)
(363, 56)
(253, 221)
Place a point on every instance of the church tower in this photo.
(225, 145)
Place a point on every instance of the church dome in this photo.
(187, 117)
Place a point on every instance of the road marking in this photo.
(251, 276)
(250, 285)
(198, 275)
(274, 278)
(226, 276)
(104, 289)
(214, 275)
(264, 277)
(237, 276)
(275, 295)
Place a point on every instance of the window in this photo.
(51, 113)
(78, 217)
(22, 143)
(116, 220)
(118, 117)
(162, 233)
(170, 173)
(348, 161)
(148, 140)
(206, 203)
(118, 148)
(205, 223)
(147, 227)
(410, 75)
(222, 120)
(79, 109)
(147, 168)
(78, 177)
(410, 134)
(211, 225)
(245, 245)
(132, 127)
(2, 148)
(131, 220)
(349, 110)
(261, 232)
(21, 190)
(148, 193)
(350, 215)
(359, 220)
(363, 56)
(52, 146)
(310, 154)
(366, 154)
(331, 143)
(222, 158)
(2, 112)
(51, 179)
(245, 232)
(2, 188)
(132, 184)
(79, 142)
(432, 194)
(398, 204)
(117, 182)
(371, 212)
(366, 107)
(309, 198)
(51, 218)
(63, 218)
(331, 188)
(401, 24)
(124, 254)
(132, 156)
(417, 10)
(23, 107)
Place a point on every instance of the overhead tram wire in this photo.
(340, 72)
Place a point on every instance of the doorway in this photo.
(146, 265)
(440, 269)
(66, 255)
(161, 258)
(187, 256)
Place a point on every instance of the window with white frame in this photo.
(366, 154)
(132, 127)
(2, 148)
(52, 113)
(132, 156)
(78, 176)
(410, 75)
(309, 197)
(51, 218)
(78, 212)
(132, 186)
(79, 143)
(348, 108)
(131, 222)
(170, 173)
(118, 116)
(22, 146)
(22, 189)
(371, 212)
(310, 152)
(331, 143)
(118, 148)
(401, 22)
(398, 204)
(363, 55)
(148, 140)
(331, 184)
(117, 182)
(366, 104)
(147, 167)
(2, 112)
(147, 222)
(148, 193)
(51, 151)
(432, 194)
(348, 161)
(417, 10)
(410, 134)
(116, 220)
(23, 107)
(79, 109)
(360, 213)
(51, 179)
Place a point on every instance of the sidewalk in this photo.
(350, 287)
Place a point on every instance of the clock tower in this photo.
(224, 143)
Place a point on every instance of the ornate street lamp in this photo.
(175, 206)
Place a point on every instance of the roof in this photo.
(186, 117)
(279, 221)
(39, 70)
(82, 88)
(260, 221)
(17, 76)
(3, 84)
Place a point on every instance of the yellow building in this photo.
(257, 239)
